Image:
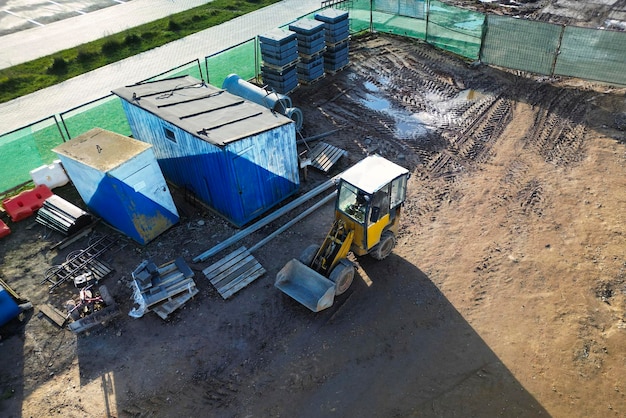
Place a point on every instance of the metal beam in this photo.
(260, 224)
(293, 221)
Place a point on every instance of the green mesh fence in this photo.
(400, 17)
(593, 54)
(408, 8)
(520, 44)
(454, 29)
(241, 59)
(191, 68)
(106, 113)
(359, 15)
(26, 149)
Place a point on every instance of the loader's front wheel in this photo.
(385, 246)
(308, 254)
(342, 276)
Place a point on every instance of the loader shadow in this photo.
(393, 345)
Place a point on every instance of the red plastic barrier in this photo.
(4, 229)
(26, 203)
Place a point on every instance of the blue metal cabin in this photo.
(120, 180)
(238, 157)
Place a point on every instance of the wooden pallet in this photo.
(234, 272)
(323, 156)
(309, 82)
(54, 314)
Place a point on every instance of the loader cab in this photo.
(369, 200)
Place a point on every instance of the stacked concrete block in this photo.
(337, 36)
(311, 47)
(279, 53)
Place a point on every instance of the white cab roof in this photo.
(372, 173)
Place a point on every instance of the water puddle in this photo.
(407, 125)
(470, 94)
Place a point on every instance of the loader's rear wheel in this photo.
(308, 254)
(342, 276)
(385, 246)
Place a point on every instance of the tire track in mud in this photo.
(419, 80)
(472, 145)
(556, 135)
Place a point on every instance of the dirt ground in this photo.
(505, 296)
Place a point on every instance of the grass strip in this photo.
(38, 74)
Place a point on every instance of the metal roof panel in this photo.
(209, 113)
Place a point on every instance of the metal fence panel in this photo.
(412, 8)
(454, 29)
(592, 54)
(106, 113)
(359, 15)
(520, 44)
(400, 17)
(409, 8)
(241, 59)
(399, 25)
(191, 68)
(26, 149)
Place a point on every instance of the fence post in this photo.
(558, 51)
(56, 121)
(206, 69)
(427, 18)
(257, 62)
(483, 35)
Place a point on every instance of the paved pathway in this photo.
(98, 83)
(30, 44)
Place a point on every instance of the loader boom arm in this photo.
(336, 246)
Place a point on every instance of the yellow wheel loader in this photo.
(367, 214)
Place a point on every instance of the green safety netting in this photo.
(359, 14)
(106, 113)
(26, 149)
(454, 29)
(191, 68)
(409, 8)
(400, 17)
(399, 25)
(242, 60)
(592, 54)
(520, 44)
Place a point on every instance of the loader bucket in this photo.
(305, 285)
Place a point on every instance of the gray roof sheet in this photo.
(209, 113)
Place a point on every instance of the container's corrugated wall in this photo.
(265, 167)
(240, 181)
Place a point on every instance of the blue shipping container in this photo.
(238, 157)
(120, 180)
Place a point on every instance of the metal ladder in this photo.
(81, 262)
